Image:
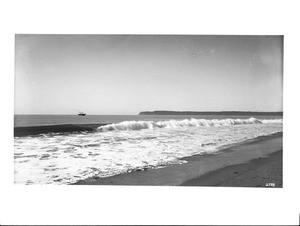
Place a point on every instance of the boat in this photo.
(81, 114)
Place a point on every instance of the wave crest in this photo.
(138, 125)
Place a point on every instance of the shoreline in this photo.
(258, 172)
(240, 157)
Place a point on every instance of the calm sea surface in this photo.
(38, 120)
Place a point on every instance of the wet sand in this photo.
(250, 164)
(259, 172)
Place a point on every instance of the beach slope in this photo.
(259, 172)
(254, 163)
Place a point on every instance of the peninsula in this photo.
(252, 113)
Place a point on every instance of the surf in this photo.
(138, 125)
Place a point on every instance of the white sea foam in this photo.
(138, 125)
(127, 146)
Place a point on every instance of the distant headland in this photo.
(253, 113)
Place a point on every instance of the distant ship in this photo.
(81, 114)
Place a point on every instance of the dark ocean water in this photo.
(39, 120)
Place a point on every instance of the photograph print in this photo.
(158, 110)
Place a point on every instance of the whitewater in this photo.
(64, 158)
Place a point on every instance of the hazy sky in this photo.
(120, 74)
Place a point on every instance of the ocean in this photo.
(126, 143)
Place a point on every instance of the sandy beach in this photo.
(254, 163)
(259, 172)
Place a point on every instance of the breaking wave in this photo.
(138, 125)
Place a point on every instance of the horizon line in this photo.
(154, 111)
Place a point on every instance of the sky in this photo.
(126, 74)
